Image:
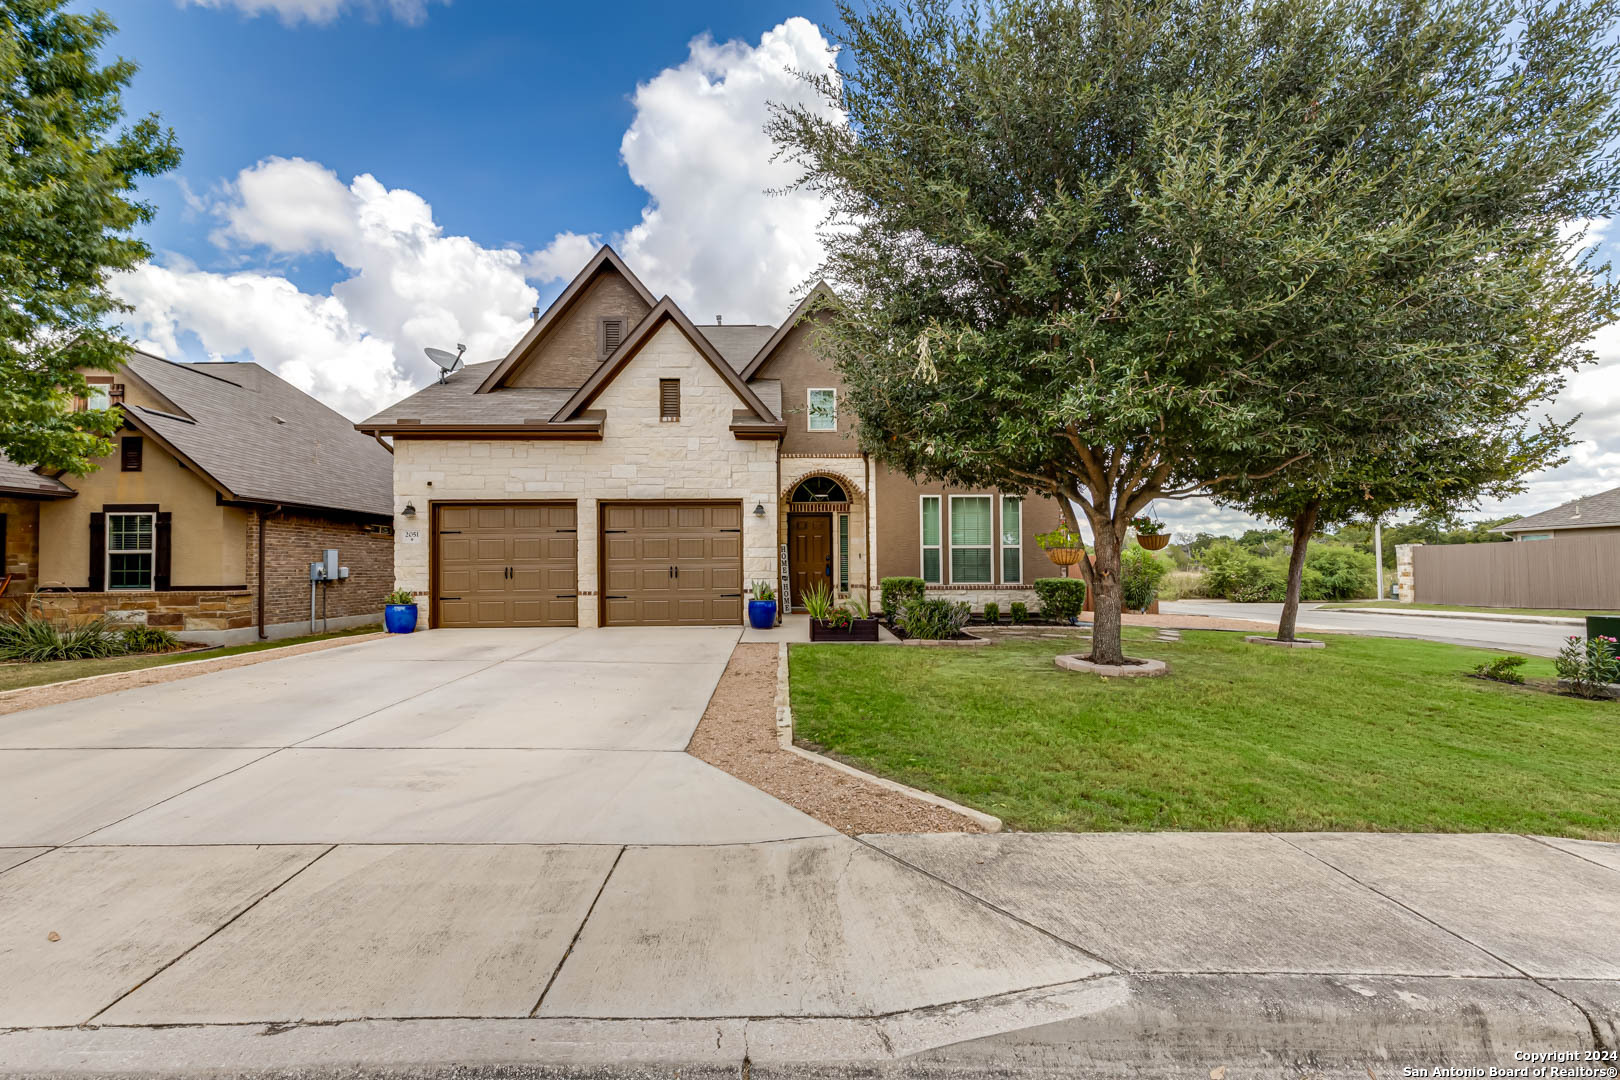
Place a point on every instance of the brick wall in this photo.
(22, 544)
(294, 540)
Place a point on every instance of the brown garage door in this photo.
(506, 564)
(671, 563)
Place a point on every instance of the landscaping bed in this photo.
(1367, 734)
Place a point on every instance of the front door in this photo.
(809, 553)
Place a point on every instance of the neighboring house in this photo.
(1591, 515)
(623, 466)
(221, 475)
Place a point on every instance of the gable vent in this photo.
(669, 399)
(612, 334)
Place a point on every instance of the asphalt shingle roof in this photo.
(263, 439)
(738, 343)
(1600, 509)
(455, 401)
(18, 479)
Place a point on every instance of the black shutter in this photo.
(160, 561)
(132, 446)
(98, 552)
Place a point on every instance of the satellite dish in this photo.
(448, 362)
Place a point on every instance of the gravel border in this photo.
(737, 735)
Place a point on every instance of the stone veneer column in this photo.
(1405, 579)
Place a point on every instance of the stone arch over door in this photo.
(830, 532)
(852, 489)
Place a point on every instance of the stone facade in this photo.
(638, 457)
(22, 544)
(1405, 579)
(180, 612)
(294, 540)
(850, 472)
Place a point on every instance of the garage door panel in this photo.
(672, 563)
(506, 564)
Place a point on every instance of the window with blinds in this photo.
(972, 540)
(669, 399)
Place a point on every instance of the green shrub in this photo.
(898, 590)
(1140, 574)
(400, 598)
(1182, 584)
(1502, 669)
(817, 601)
(1242, 576)
(934, 619)
(1061, 598)
(1588, 666)
(149, 639)
(1019, 612)
(1335, 572)
(1267, 586)
(37, 640)
(992, 612)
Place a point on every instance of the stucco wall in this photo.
(207, 544)
(638, 457)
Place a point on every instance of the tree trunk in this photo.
(1304, 525)
(1106, 600)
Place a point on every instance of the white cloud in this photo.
(359, 346)
(712, 235)
(563, 257)
(293, 12)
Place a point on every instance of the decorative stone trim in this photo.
(969, 641)
(1405, 577)
(1297, 643)
(177, 611)
(784, 738)
(1142, 669)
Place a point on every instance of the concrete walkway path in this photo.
(527, 877)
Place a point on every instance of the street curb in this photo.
(1188, 1027)
(784, 738)
(1463, 616)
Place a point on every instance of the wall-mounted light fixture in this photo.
(410, 510)
(759, 509)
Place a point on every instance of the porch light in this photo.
(759, 509)
(410, 510)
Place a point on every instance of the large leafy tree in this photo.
(67, 208)
(1113, 251)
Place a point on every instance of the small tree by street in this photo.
(67, 208)
(1113, 252)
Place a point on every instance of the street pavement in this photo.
(471, 853)
(1535, 639)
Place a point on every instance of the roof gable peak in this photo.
(820, 295)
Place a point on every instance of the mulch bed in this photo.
(737, 735)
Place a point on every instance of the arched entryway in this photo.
(818, 534)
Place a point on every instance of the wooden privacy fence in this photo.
(1577, 572)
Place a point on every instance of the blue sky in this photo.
(363, 178)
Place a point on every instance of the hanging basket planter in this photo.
(1065, 556)
(1153, 542)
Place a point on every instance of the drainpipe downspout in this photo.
(262, 517)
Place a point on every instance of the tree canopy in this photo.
(67, 209)
(1116, 251)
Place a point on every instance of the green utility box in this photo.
(1603, 626)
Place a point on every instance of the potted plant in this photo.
(1062, 546)
(829, 622)
(761, 605)
(399, 612)
(1149, 533)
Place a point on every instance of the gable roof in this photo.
(666, 310)
(257, 438)
(604, 259)
(18, 479)
(1592, 511)
(820, 291)
(739, 342)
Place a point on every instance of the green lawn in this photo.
(1458, 607)
(14, 676)
(1367, 734)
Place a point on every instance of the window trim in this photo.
(108, 552)
(1535, 536)
(663, 387)
(990, 547)
(810, 411)
(1002, 547)
(923, 545)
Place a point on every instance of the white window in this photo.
(1535, 536)
(1012, 540)
(100, 396)
(823, 411)
(131, 550)
(930, 540)
(972, 540)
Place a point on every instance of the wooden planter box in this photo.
(858, 630)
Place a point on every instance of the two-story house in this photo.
(622, 465)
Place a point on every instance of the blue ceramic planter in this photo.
(762, 614)
(399, 618)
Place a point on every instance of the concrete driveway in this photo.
(450, 736)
